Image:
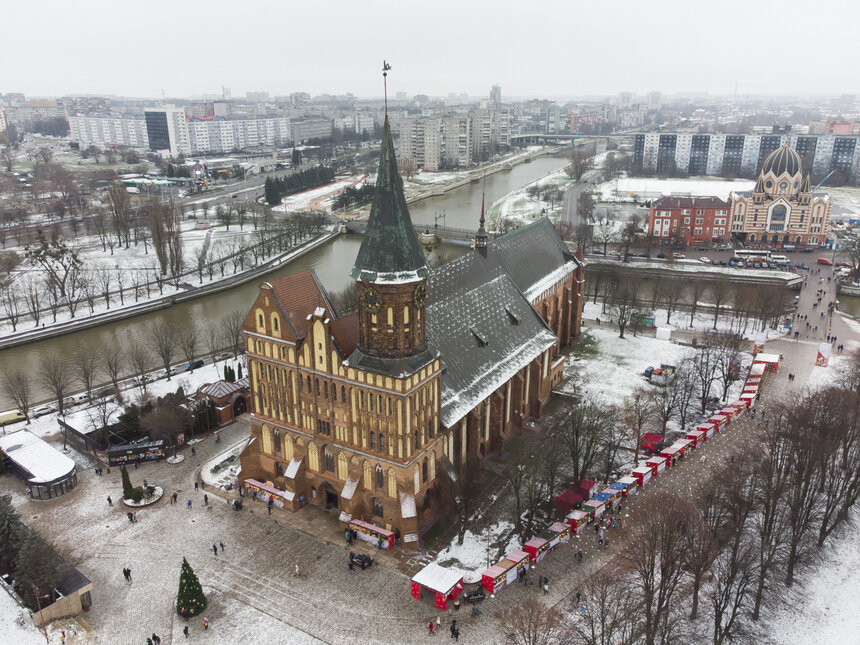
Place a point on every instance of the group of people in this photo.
(364, 561)
(155, 639)
(435, 625)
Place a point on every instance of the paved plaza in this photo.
(254, 594)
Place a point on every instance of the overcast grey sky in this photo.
(530, 48)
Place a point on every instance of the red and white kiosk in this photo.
(594, 507)
(495, 578)
(748, 399)
(577, 520)
(671, 454)
(447, 584)
(536, 548)
(718, 420)
(520, 559)
(657, 464)
(769, 361)
(757, 370)
(698, 437)
(630, 485)
(643, 475)
(707, 428)
(372, 533)
(560, 532)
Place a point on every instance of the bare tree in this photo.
(582, 434)
(637, 412)
(138, 358)
(581, 158)
(16, 385)
(696, 290)
(533, 623)
(33, 299)
(516, 474)
(608, 611)
(656, 556)
(56, 377)
(231, 331)
(624, 303)
(86, 367)
(672, 295)
(704, 365)
(11, 305)
(189, 343)
(213, 342)
(720, 292)
(163, 341)
(113, 363)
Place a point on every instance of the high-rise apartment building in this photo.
(496, 96)
(105, 131)
(167, 130)
(743, 154)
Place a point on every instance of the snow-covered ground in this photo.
(519, 206)
(625, 189)
(471, 556)
(16, 628)
(308, 198)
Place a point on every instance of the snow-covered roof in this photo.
(550, 280)
(407, 505)
(349, 488)
(438, 578)
(220, 389)
(292, 468)
(44, 463)
(766, 358)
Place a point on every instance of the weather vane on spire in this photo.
(385, 68)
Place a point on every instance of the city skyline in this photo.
(573, 50)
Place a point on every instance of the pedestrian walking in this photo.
(156, 639)
(175, 495)
(457, 635)
(196, 486)
(438, 622)
(148, 640)
(205, 624)
(545, 587)
(193, 452)
(270, 504)
(202, 484)
(351, 566)
(185, 631)
(189, 503)
(453, 627)
(221, 544)
(205, 499)
(110, 501)
(215, 549)
(430, 627)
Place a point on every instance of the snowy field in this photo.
(471, 557)
(310, 198)
(627, 188)
(519, 206)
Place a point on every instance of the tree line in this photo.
(162, 344)
(704, 568)
(278, 187)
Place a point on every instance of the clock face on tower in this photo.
(420, 294)
(371, 300)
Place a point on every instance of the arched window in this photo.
(424, 471)
(325, 389)
(377, 507)
(381, 442)
(317, 386)
(262, 320)
(391, 317)
(415, 439)
(276, 438)
(361, 399)
(342, 394)
(279, 469)
(370, 400)
(329, 459)
(380, 477)
(372, 440)
(275, 321)
(389, 405)
(309, 383)
(405, 314)
(429, 428)
(379, 401)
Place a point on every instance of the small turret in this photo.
(481, 235)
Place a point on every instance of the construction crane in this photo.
(826, 177)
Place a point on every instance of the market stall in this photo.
(823, 358)
(520, 560)
(698, 437)
(757, 369)
(609, 496)
(536, 548)
(748, 399)
(627, 486)
(445, 583)
(769, 361)
(577, 520)
(568, 500)
(494, 579)
(729, 412)
(594, 508)
(587, 487)
(685, 446)
(561, 531)
(671, 455)
(643, 474)
(264, 492)
(707, 428)
(718, 421)
(657, 465)
(372, 533)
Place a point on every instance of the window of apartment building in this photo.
(719, 221)
(685, 211)
(698, 231)
(687, 221)
(700, 211)
(700, 220)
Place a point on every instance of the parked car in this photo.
(42, 410)
(83, 397)
(825, 261)
(705, 260)
(680, 256)
(194, 365)
(11, 416)
(163, 373)
(701, 248)
(801, 265)
(806, 250)
(661, 255)
(843, 264)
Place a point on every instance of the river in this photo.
(331, 262)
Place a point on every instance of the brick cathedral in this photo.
(377, 412)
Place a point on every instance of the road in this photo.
(569, 214)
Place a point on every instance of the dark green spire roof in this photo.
(390, 251)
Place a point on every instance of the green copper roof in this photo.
(390, 251)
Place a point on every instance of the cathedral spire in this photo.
(390, 250)
(481, 235)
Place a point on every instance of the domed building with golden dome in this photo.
(781, 210)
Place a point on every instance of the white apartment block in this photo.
(105, 131)
(221, 135)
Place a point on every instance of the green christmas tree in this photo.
(190, 601)
(127, 488)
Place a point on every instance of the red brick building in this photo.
(692, 220)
